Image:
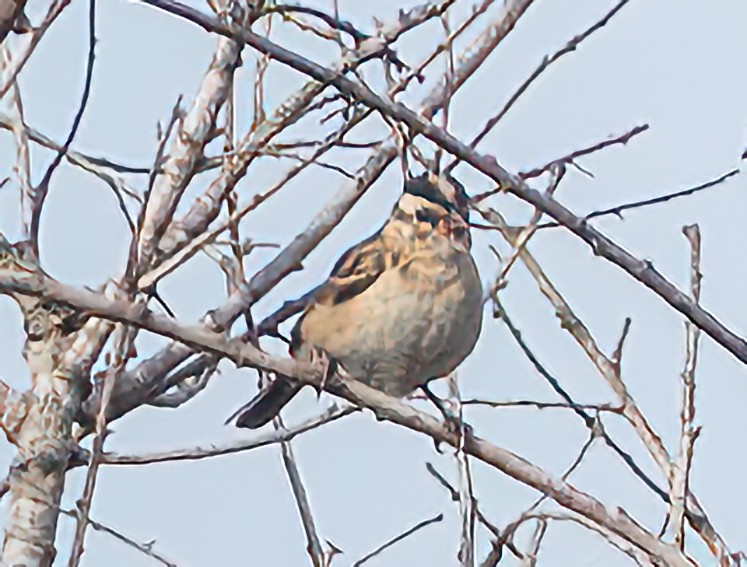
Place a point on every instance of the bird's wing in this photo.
(356, 270)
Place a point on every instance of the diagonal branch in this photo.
(641, 270)
(384, 407)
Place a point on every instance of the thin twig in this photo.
(525, 234)
(42, 189)
(313, 545)
(22, 168)
(146, 548)
(240, 446)
(543, 405)
(589, 420)
(407, 533)
(333, 22)
(619, 209)
(55, 9)
(454, 494)
(641, 558)
(568, 159)
(104, 386)
(547, 61)
(571, 158)
(530, 557)
(191, 248)
(467, 512)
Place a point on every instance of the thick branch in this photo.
(385, 407)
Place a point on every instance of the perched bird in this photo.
(400, 308)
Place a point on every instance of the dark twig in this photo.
(146, 548)
(619, 209)
(454, 495)
(568, 159)
(574, 155)
(546, 62)
(407, 533)
(331, 21)
(41, 191)
(589, 420)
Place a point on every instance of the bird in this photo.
(399, 309)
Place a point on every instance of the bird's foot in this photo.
(452, 420)
(330, 365)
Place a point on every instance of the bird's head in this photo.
(436, 203)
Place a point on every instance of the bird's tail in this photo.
(267, 404)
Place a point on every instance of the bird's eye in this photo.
(425, 215)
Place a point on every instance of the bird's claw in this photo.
(319, 356)
(453, 422)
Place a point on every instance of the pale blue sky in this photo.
(670, 63)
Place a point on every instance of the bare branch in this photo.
(186, 149)
(313, 545)
(22, 169)
(530, 557)
(641, 558)
(215, 450)
(454, 495)
(544, 405)
(101, 168)
(187, 385)
(467, 505)
(591, 422)
(522, 238)
(42, 189)
(44, 436)
(104, 386)
(39, 193)
(680, 472)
